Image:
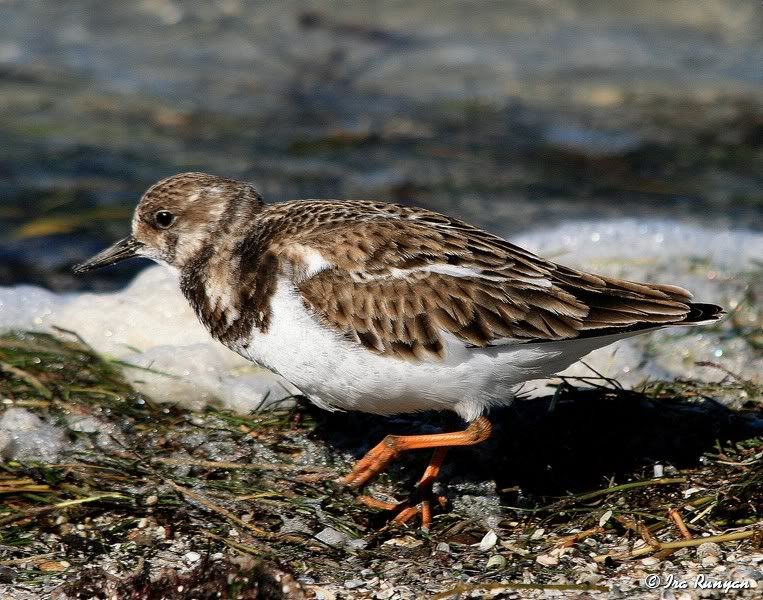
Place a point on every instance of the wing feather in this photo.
(401, 278)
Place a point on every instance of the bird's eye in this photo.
(164, 219)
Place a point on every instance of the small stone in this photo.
(708, 549)
(710, 561)
(591, 542)
(496, 562)
(404, 542)
(294, 525)
(547, 560)
(743, 572)
(53, 566)
(589, 578)
(332, 537)
(192, 557)
(515, 549)
(442, 547)
(488, 541)
(357, 543)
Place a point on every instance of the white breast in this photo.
(338, 373)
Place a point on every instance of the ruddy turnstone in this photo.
(383, 308)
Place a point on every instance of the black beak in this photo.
(123, 249)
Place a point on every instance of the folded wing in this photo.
(397, 284)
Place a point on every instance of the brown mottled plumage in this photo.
(384, 308)
(385, 294)
(398, 279)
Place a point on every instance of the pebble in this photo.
(488, 541)
(739, 573)
(589, 578)
(708, 549)
(357, 543)
(496, 562)
(332, 537)
(591, 542)
(294, 525)
(192, 557)
(404, 542)
(710, 561)
(604, 518)
(442, 547)
(547, 560)
(515, 549)
(53, 566)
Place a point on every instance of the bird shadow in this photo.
(574, 441)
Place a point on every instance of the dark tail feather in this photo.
(703, 313)
(699, 314)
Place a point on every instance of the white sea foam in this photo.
(714, 265)
(149, 323)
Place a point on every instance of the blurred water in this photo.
(509, 114)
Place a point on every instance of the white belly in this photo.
(338, 373)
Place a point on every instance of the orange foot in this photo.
(378, 458)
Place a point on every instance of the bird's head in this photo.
(180, 216)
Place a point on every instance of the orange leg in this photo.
(424, 488)
(377, 459)
(424, 485)
(381, 455)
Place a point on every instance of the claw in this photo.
(377, 459)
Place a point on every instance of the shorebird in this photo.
(383, 308)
